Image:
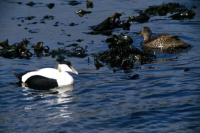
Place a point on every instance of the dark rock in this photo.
(81, 12)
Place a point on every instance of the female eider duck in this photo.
(48, 78)
(162, 42)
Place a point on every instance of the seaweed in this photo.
(109, 24)
(81, 12)
(177, 11)
(50, 5)
(121, 53)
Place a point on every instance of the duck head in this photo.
(67, 68)
(146, 33)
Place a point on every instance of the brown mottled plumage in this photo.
(163, 42)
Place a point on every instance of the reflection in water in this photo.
(63, 97)
(52, 105)
(63, 89)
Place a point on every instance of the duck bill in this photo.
(74, 70)
(140, 33)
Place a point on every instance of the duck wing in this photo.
(19, 75)
(39, 82)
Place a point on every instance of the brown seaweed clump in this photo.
(17, 50)
(176, 10)
(141, 18)
(89, 4)
(121, 53)
(82, 12)
(73, 2)
(109, 24)
(73, 50)
(40, 50)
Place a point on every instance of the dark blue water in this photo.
(164, 99)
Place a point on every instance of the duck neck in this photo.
(59, 69)
(147, 37)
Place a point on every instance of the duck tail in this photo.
(18, 76)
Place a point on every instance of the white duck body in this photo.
(48, 78)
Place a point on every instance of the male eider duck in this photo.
(162, 42)
(48, 78)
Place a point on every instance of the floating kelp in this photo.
(73, 24)
(179, 11)
(31, 3)
(40, 49)
(73, 3)
(50, 5)
(109, 24)
(48, 17)
(32, 31)
(21, 50)
(164, 9)
(17, 50)
(89, 3)
(119, 41)
(187, 14)
(81, 12)
(73, 50)
(121, 53)
(4, 44)
(134, 77)
(141, 18)
(29, 17)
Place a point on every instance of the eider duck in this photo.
(48, 78)
(162, 42)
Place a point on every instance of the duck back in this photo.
(165, 42)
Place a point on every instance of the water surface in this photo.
(165, 98)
